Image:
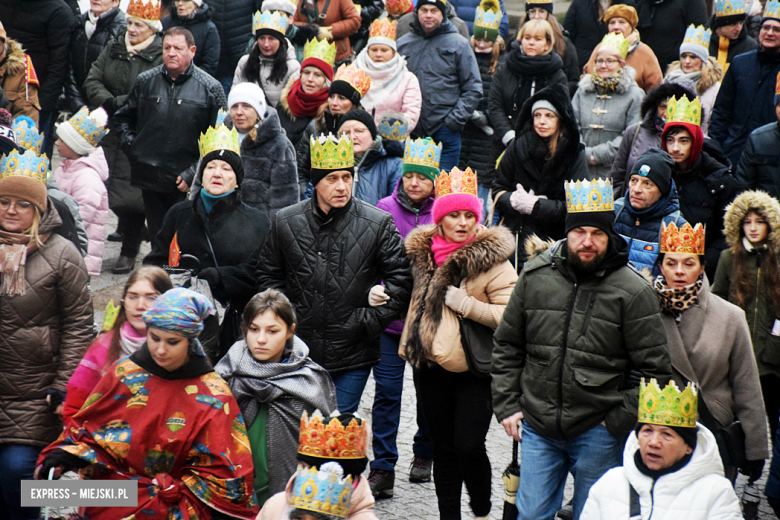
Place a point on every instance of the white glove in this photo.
(508, 137)
(377, 296)
(523, 201)
(456, 299)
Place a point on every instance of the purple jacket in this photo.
(406, 218)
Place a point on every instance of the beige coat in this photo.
(360, 508)
(711, 347)
(481, 268)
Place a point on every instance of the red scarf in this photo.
(302, 104)
(443, 249)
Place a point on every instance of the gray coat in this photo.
(603, 119)
(637, 139)
(405, 23)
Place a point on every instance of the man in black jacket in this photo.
(159, 125)
(759, 167)
(329, 254)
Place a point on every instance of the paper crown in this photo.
(398, 7)
(27, 164)
(394, 126)
(112, 313)
(698, 36)
(686, 239)
(221, 115)
(219, 138)
(331, 439)
(589, 196)
(271, 21)
(382, 31)
(668, 407)
(149, 11)
(617, 42)
(487, 19)
(772, 10)
(355, 77)
(777, 87)
(285, 6)
(729, 8)
(325, 491)
(321, 50)
(456, 182)
(683, 111)
(422, 156)
(90, 126)
(27, 135)
(327, 153)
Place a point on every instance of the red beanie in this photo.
(456, 202)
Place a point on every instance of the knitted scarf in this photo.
(679, 299)
(129, 339)
(385, 77)
(135, 49)
(302, 104)
(14, 250)
(605, 85)
(443, 249)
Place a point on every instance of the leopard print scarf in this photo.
(676, 301)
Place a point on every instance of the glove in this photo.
(59, 459)
(457, 300)
(479, 119)
(55, 398)
(523, 201)
(508, 137)
(752, 469)
(377, 296)
(211, 275)
(634, 379)
(326, 33)
(109, 105)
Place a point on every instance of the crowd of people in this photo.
(572, 229)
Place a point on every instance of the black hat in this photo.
(342, 87)
(362, 116)
(689, 435)
(232, 158)
(441, 4)
(656, 165)
(604, 220)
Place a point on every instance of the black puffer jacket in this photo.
(233, 19)
(326, 265)
(662, 25)
(161, 122)
(741, 45)
(585, 27)
(205, 33)
(759, 166)
(84, 51)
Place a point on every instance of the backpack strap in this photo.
(634, 511)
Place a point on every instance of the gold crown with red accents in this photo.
(777, 86)
(355, 77)
(686, 239)
(149, 11)
(384, 28)
(330, 438)
(398, 7)
(456, 181)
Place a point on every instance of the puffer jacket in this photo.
(480, 267)
(585, 26)
(759, 167)
(405, 23)
(378, 172)
(760, 317)
(361, 507)
(642, 229)
(642, 60)
(341, 16)
(83, 179)
(662, 25)
(155, 106)
(603, 119)
(43, 335)
(85, 50)
(233, 19)
(326, 264)
(744, 43)
(273, 91)
(406, 217)
(697, 491)
(206, 36)
(565, 344)
(22, 96)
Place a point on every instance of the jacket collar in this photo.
(615, 258)
(661, 208)
(445, 28)
(221, 206)
(334, 214)
(405, 202)
(181, 78)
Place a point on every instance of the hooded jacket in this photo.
(759, 166)
(526, 163)
(697, 491)
(273, 91)
(43, 332)
(585, 26)
(603, 120)
(22, 96)
(206, 36)
(379, 171)
(760, 317)
(84, 179)
(642, 229)
(565, 345)
(361, 507)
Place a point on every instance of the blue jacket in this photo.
(642, 229)
(467, 11)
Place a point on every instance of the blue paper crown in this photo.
(487, 19)
(589, 196)
(698, 36)
(393, 126)
(221, 115)
(88, 127)
(324, 491)
(27, 164)
(772, 10)
(729, 7)
(270, 20)
(422, 152)
(27, 135)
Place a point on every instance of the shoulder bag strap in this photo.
(634, 511)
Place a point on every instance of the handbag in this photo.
(731, 444)
(477, 342)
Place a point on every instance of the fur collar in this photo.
(712, 75)
(625, 83)
(286, 106)
(15, 62)
(535, 246)
(737, 210)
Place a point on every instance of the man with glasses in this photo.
(745, 100)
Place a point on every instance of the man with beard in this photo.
(574, 388)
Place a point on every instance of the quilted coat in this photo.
(326, 264)
(759, 167)
(43, 335)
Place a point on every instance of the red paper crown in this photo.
(686, 239)
(398, 7)
(456, 181)
(145, 11)
(355, 77)
(330, 439)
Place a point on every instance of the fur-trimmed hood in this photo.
(714, 74)
(15, 62)
(286, 106)
(663, 92)
(535, 246)
(626, 80)
(736, 212)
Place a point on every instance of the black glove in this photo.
(752, 469)
(109, 105)
(211, 275)
(634, 379)
(56, 398)
(60, 459)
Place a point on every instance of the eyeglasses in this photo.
(19, 205)
(608, 61)
(771, 28)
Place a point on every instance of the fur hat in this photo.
(626, 12)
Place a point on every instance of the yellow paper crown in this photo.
(617, 42)
(589, 196)
(456, 182)
(219, 138)
(149, 11)
(327, 153)
(384, 28)
(27, 164)
(668, 407)
(321, 50)
(355, 77)
(729, 8)
(274, 21)
(686, 239)
(330, 438)
(323, 491)
(112, 312)
(683, 111)
(772, 10)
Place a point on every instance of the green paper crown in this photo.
(668, 407)
(112, 312)
(219, 138)
(327, 153)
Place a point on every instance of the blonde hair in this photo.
(538, 27)
(33, 229)
(495, 52)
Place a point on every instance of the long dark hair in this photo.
(742, 287)
(278, 69)
(269, 300)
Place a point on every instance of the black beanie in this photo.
(656, 165)
(689, 435)
(722, 21)
(441, 4)
(362, 116)
(547, 6)
(604, 220)
(232, 158)
(345, 89)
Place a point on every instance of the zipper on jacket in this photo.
(563, 359)
(755, 308)
(588, 312)
(652, 500)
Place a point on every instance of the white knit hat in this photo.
(83, 132)
(249, 93)
(155, 25)
(286, 6)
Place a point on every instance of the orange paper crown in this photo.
(456, 181)
(330, 439)
(355, 77)
(398, 7)
(686, 239)
(777, 86)
(382, 29)
(144, 10)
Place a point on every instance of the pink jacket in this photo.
(83, 179)
(406, 98)
(86, 376)
(361, 507)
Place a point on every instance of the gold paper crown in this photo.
(683, 111)
(149, 11)
(331, 439)
(398, 7)
(327, 153)
(322, 491)
(589, 196)
(355, 77)
(456, 182)
(772, 10)
(112, 313)
(27, 164)
(686, 239)
(617, 42)
(668, 407)
(729, 8)
(219, 138)
(321, 50)
(274, 21)
(383, 28)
